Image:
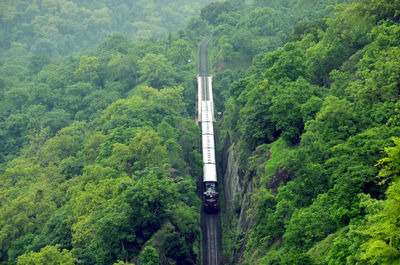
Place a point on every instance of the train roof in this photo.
(207, 128)
(210, 173)
(208, 141)
(208, 156)
(206, 105)
(206, 116)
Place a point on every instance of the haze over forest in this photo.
(100, 159)
(60, 27)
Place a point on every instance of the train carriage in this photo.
(210, 183)
(207, 128)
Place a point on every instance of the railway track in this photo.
(210, 223)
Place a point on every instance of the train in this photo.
(210, 183)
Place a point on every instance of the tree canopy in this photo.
(309, 122)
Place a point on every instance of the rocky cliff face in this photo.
(238, 187)
(237, 201)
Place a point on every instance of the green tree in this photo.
(383, 227)
(287, 99)
(149, 256)
(180, 52)
(49, 255)
(56, 120)
(176, 248)
(211, 12)
(327, 125)
(115, 44)
(308, 226)
(38, 62)
(123, 68)
(155, 70)
(147, 150)
(74, 95)
(66, 143)
(287, 62)
(256, 121)
(87, 70)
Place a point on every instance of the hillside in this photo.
(100, 155)
(58, 28)
(309, 142)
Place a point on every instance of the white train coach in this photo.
(210, 183)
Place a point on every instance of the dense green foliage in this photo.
(98, 151)
(242, 31)
(99, 154)
(103, 190)
(57, 28)
(37, 93)
(310, 121)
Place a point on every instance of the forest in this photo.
(314, 121)
(58, 28)
(99, 151)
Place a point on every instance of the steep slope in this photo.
(99, 155)
(304, 129)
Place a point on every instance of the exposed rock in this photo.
(238, 187)
(280, 176)
(236, 194)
